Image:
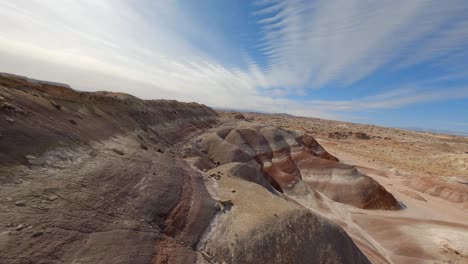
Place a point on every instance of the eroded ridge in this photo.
(290, 160)
(109, 178)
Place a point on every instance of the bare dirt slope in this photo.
(425, 172)
(444, 155)
(93, 178)
(109, 178)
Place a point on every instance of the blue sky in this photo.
(393, 63)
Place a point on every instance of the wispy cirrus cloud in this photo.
(314, 43)
(158, 49)
(392, 99)
(120, 45)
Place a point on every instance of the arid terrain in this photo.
(444, 155)
(426, 172)
(103, 177)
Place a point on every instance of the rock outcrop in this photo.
(109, 178)
(115, 201)
(287, 164)
(49, 115)
(261, 226)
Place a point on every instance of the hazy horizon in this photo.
(388, 63)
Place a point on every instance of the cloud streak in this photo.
(147, 48)
(394, 99)
(314, 43)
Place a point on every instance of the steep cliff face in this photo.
(109, 178)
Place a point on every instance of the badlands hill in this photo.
(426, 172)
(109, 178)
